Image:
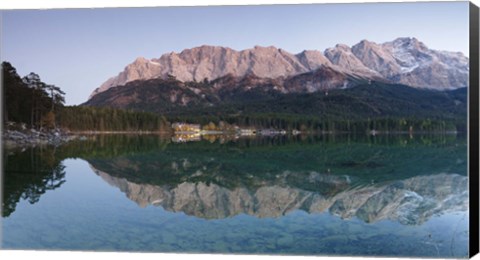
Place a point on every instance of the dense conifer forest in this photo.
(385, 108)
(38, 105)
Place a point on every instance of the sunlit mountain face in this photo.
(404, 60)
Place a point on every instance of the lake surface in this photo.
(304, 195)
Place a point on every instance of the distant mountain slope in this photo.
(404, 60)
(172, 92)
(303, 94)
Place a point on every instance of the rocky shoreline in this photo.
(32, 137)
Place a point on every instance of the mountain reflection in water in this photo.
(344, 178)
(372, 178)
(389, 195)
(411, 201)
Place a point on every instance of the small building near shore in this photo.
(247, 131)
(184, 127)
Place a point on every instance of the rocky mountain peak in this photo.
(270, 48)
(343, 57)
(343, 47)
(405, 60)
(409, 43)
(140, 60)
(365, 45)
(375, 57)
(313, 60)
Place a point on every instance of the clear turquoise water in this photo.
(382, 196)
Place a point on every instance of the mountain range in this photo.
(404, 61)
(398, 79)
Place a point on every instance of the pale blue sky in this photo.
(78, 50)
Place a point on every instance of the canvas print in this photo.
(319, 129)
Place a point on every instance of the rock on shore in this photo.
(31, 137)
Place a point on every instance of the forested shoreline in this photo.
(31, 103)
(34, 104)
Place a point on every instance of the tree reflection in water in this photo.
(324, 170)
(28, 174)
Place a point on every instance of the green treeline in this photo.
(28, 175)
(39, 105)
(362, 109)
(308, 123)
(82, 118)
(29, 100)
(380, 107)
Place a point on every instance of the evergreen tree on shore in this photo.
(27, 100)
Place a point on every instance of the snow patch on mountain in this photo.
(403, 60)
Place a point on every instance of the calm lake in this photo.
(387, 195)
